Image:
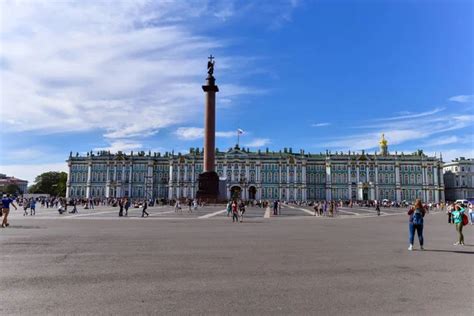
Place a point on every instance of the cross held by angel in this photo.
(210, 65)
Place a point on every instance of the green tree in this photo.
(52, 182)
(12, 189)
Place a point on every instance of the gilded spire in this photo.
(383, 141)
(383, 145)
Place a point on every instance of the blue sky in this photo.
(312, 75)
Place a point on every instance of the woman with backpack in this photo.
(415, 223)
(457, 215)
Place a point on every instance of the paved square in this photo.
(200, 263)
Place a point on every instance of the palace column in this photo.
(436, 184)
(89, 175)
(170, 182)
(397, 182)
(377, 196)
(328, 181)
(107, 181)
(349, 182)
(130, 170)
(68, 182)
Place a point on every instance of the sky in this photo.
(314, 75)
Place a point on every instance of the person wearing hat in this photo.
(6, 201)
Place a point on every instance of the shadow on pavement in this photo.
(453, 251)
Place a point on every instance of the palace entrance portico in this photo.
(252, 193)
(365, 191)
(235, 192)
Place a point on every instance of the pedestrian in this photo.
(120, 204)
(235, 212)
(127, 205)
(60, 208)
(275, 207)
(6, 201)
(457, 215)
(449, 214)
(190, 206)
(471, 213)
(33, 207)
(377, 208)
(415, 223)
(229, 208)
(316, 205)
(145, 206)
(26, 204)
(74, 207)
(177, 206)
(242, 210)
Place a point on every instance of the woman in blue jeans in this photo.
(415, 223)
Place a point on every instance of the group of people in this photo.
(125, 203)
(456, 216)
(326, 208)
(191, 204)
(237, 209)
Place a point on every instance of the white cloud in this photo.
(258, 142)
(409, 115)
(30, 171)
(120, 145)
(462, 98)
(451, 154)
(442, 141)
(193, 133)
(227, 134)
(190, 133)
(320, 124)
(404, 129)
(127, 68)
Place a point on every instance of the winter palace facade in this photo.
(266, 175)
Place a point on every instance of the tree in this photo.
(12, 189)
(52, 182)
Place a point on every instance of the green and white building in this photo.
(260, 175)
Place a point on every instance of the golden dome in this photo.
(383, 141)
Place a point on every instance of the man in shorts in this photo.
(6, 201)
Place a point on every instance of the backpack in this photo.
(417, 218)
(465, 220)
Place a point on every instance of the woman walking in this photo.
(242, 210)
(457, 215)
(235, 212)
(415, 223)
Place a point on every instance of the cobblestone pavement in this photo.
(95, 263)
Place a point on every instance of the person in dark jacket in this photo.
(120, 204)
(145, 206)
(415, 223)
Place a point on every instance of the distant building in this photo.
(6, 181)
(459, 179)
(283, 175)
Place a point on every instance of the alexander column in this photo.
(209, 180)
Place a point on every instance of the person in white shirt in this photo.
(471, 213)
